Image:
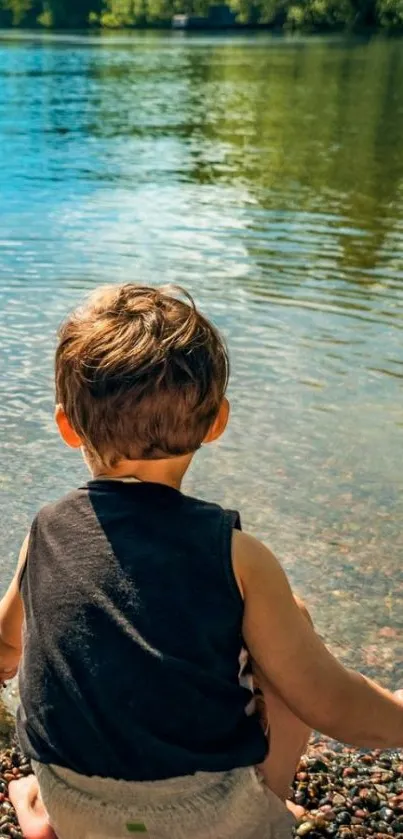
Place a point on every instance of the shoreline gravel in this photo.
(347, 793)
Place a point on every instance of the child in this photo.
(136, 602)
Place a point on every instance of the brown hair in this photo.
(140, 373)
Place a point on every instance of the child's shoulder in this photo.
(210, 511)
(64, 505)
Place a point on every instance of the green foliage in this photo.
(20, 12)
(117, 13)
(261, 11)
(290, 14)
(109, 21)
(158, 11)
(121, 13)
(63, 14)
(320, 14)
(45, 19)
(390, 13)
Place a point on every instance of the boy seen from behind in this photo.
(133, 606)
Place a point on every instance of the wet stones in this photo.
(12, 766)
(349, 794)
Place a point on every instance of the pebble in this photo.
(338, 799)
(305, 828)
(386, 814)
(343, 817)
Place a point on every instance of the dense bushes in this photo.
(390, 13)
(291, 14)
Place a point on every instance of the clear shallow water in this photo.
(266, 176)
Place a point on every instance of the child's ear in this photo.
(220, 423)
(66, 431)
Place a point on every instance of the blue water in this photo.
(266, 176)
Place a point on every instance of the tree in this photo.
(74, 14)
(21, 12)
(261, 11)
(320, 14)
(121, 12)
(390, 13)
(294, 14)
(364, 13)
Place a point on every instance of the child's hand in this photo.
(9, 661)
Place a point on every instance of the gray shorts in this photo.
(224, 805)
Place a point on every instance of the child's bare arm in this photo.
(11, 619)
(316, 687)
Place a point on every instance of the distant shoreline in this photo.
(241, 28)
(209, 16)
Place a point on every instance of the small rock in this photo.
(317, 764)
(343, 817)
(361, 814)
(305, 828)
(386, 814)
(338, 799)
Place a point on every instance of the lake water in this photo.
(266, 176)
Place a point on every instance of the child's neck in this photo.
(170, 471)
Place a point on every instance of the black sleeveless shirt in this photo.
(132, 637)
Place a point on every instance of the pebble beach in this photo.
(346, 793)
